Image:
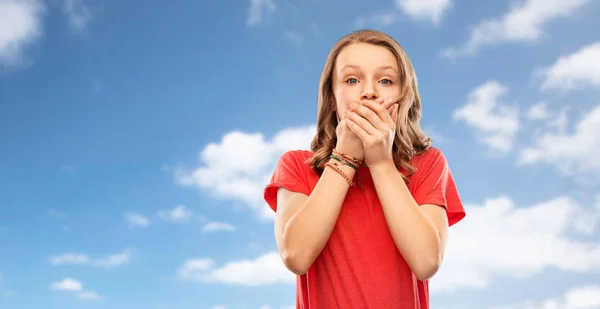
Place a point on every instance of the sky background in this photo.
(136, 140)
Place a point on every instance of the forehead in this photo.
(366, 56)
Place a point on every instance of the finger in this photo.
(392, 107)
(367, 112)
(378, 111)
(357, 129)
(361, 121)
(389, 103)
(394, 113)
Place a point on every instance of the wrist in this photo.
(344, 170)
(383, 167)
(353, 153)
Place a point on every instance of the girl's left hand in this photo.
(372, 122)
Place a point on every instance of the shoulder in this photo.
(297, 157)
(292, 172)
(294, 161)
(429, 158)
(297, 154)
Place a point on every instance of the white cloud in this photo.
(113, 260)
(20, 26)
(571, 153)
(227, 172)
(495, 123)
(539, 111)
(293, 37)
(109, 261)
(192, 267)
(430, 10)
(218, 226)
(88, 295)
(74, 286)
(70, 258)
(179, 214)
(136, 220)
(501, 240)
(55, 213)
(77, 14)
(67, 284)
(265, 270)
(581, 297)
(260, 11)
(377, 20)
(576, 71)
(524, 22)
(560, 121)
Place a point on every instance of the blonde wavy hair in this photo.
(410, 140)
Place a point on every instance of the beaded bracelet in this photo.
(355, 161)
(343, 161)
(335, 167)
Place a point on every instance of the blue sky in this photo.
(136, 140)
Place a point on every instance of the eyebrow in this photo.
(383, 68)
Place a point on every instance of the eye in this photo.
(352, 80)
(386, 81)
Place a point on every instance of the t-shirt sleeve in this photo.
(435, 185)
(290, 173)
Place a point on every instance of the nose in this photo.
(368, 92)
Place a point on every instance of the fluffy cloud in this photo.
(109, 261)
(524, 22)
(377, 19)
(74, 286)
(582, 297)
(179, 214)
(501, 240)
(572, 153)
(136, 220)
(260, 11)
(77, 14)
(88, 295)
(495, 123)
(265, 270)
(20, 25)
(241, 164)
(430, 10)
(538, 111)
(575, 71)
(293, 37)
(67, 284)
(218, 226)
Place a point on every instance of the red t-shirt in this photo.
(360, 266)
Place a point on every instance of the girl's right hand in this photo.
(348, 142)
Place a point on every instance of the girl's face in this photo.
(365, 72)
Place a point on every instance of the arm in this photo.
(419, 231)
(303, 223)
